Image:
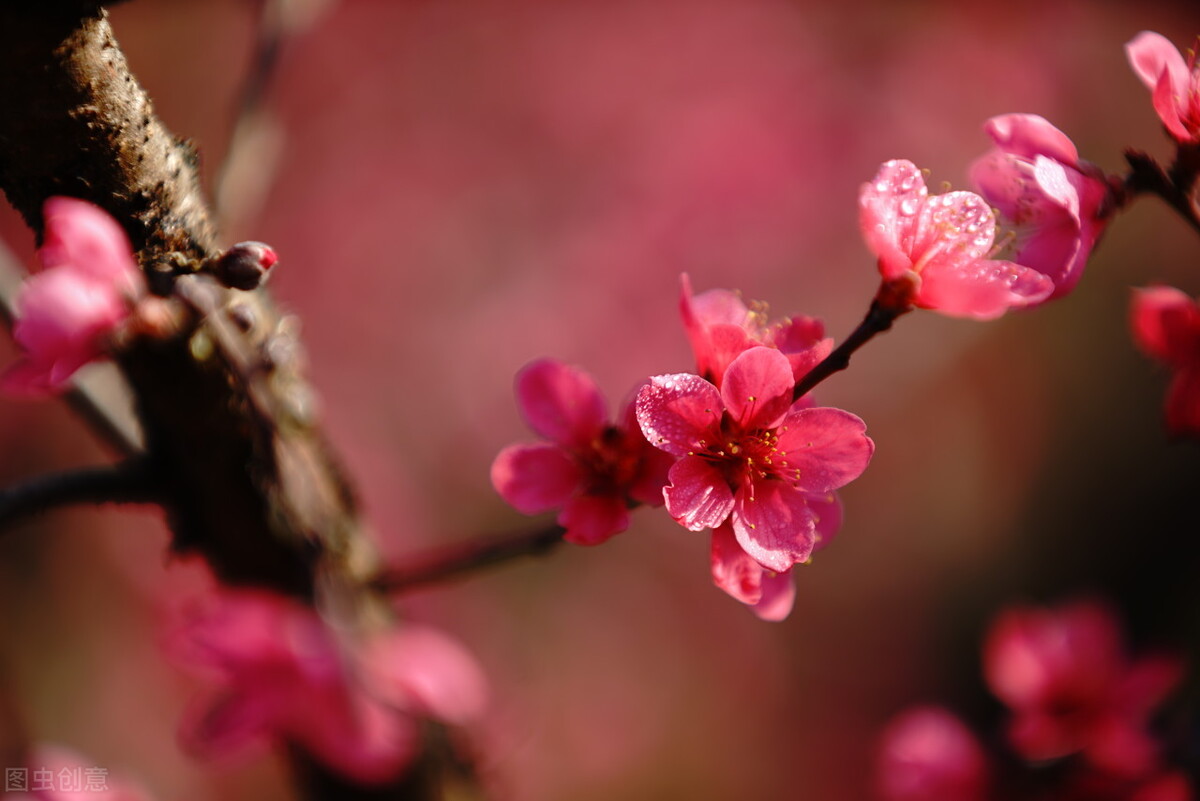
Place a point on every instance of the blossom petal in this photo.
(982, 289)
(773, 524)
(560, 402)
(770, 594)
(732, 568)
(717, 323)
(927, 753)
(712, 307)
(1152, 55)
(535, 478)
(757, 390)
(1166, 324)
(886, 208)
(827, 510)
(1168, 100)
(698, 496)
(647, 484)
(87, 239)
(593, 519)
(1029, 136)
(824, 448)
(1183, 402)
(421, 668)
(678, 412)
(802, 339)
(954, 228)
(1160, 66)
(778, 596)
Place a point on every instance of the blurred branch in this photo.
(1176, 185)
(254, 140)
(452, 561)
(132, 481)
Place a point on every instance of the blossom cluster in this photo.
(728, 448)
(1074, 697)
(748, 454)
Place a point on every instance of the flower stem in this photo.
(1175, 185)
(879, 318)
(452, 561)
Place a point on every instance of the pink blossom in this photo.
(1175, 84)
(591, 469)
(85, 289)
(1058, 203)
(1166, 325)
(288, 677)
(745, 455)
(933, 251)
(720, 326)
(1070, 687)
(928, 754)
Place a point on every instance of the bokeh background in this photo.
(457, 188)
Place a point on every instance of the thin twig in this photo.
(132, 481)
(246, 170)
(449, 562)
(879, 318)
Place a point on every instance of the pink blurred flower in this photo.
(720, 326)
(286, 676)
(83, 292)
(1070, 687)
(591, 469)
(928, 754)
(744, 454)
(933, 251)
(1175, 84)
(1058, 203)
(1166, 325)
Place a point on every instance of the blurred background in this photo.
(457, 188)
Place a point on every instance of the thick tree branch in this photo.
(256, 490)
(227, 415)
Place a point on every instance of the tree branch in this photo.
(879, 318)
(457, 560)
(252, 484)
(133, 481)
(1176, 185)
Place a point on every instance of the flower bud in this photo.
(245, 265)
